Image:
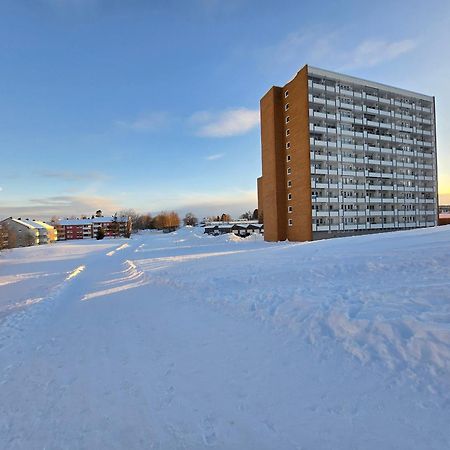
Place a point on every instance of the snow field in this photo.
(192, 341)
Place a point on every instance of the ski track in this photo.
(184, 341)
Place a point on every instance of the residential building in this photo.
(70, 229)
(4, 236)
(112, 226)
(52, 233)
(242, 228)
(20, 233)
(444, 215)
(343, 156)
(41, 229)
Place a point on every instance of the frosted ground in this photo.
(187, 341)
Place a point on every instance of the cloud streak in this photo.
(67, 175)
(332, 51)
(371, 53)
(214, 157)
(231, 122)
(150, 122)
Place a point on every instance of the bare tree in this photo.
(225, 217)
(133, 215)
(190, 219)
(247, 215)
(115, 226)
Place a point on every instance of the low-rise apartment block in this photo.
(70, 229)
(342, 156)
(20, 233)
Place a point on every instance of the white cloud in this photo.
(232, 122)
(211, 157)
(371, 53)
(149, 122)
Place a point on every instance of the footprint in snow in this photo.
(209, 431)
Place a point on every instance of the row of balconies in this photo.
(366, 160)
(357, 99)
(371, 188)
(327, 123)
(359, 155)
(360, 94)
(357, 117)
(371, 200)
(374, 226)
(334, 133)
(324, 143)
(371, 173)
(371, 213)
(337, 104)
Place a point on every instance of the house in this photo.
(238, 227)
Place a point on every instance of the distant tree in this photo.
(54, 220)
(99, 213)
(247, 215)
(225, 217)
(146, 222)
(167, 221)
(255, 214)
(115, 226)
(190, 219)
(134, 216)
(173, 220)
(100, 233)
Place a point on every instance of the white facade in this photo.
(373, 155)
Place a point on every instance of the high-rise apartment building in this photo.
(342, 156)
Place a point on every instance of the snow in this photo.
(186, 340)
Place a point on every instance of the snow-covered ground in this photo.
(188, 341)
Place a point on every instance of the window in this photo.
(288, 170)
(288, 132)
(288, 158)
(290, 222)
(289, 184)
(289, 209)
(286, 107)
(288, 119)
(286, 94)
(288, 145)
(289, 196)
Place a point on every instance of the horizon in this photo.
(152, 107)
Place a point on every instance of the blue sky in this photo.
(154, 104)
